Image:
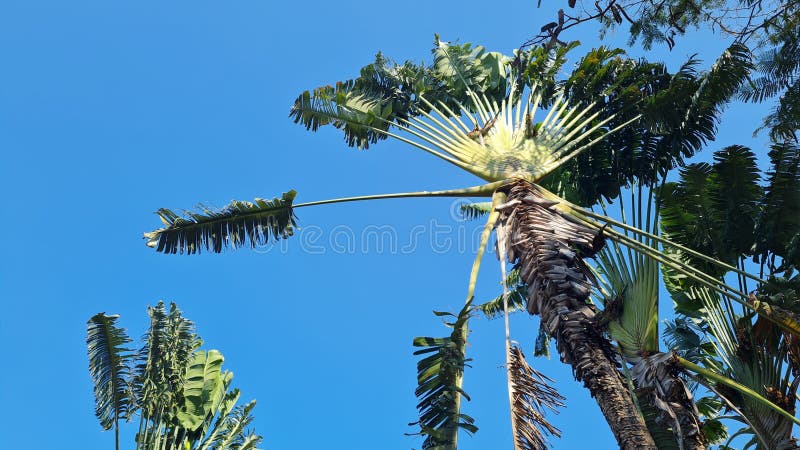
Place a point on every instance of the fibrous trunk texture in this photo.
(548, 249)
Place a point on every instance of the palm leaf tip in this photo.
(531, 395)
(259, 222)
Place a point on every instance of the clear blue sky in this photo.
(110, 110)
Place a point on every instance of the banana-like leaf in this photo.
(631, 282)
(531, 396)
(240, 222)
(440, 378)
(752, 374)
(109, 367)
(465, 68)
(632, 310)
(203, 389)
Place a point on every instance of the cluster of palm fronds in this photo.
(615, 126)
(181, 394)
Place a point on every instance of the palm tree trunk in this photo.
(549, 250)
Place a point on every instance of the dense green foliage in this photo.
(734, 333)
(180, 392)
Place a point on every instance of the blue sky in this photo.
(110, 110)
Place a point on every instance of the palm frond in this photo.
(109, 367)
(235, 434)
(494, 307)
(684, 337)
(439, 378)
(160, 370)
(517, 292)
(225, 409)
(364, 108)
(532, 396)
(472, 211)
(238, 223)
(779, 220)
(468, 69)
(631, 310)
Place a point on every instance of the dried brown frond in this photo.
(531, 395)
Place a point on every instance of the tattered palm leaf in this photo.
(516, 297)
(465, 68)
(712, 208)
(235, 434)
(240, 222)
(660, 387)
(160, 371)
(471, 211)
(531, 396)
(109, 367)
(225, 408)
(440, 378)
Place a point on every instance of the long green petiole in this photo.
(708, 259)
(485, 190)
(737, 386)
(497, 199)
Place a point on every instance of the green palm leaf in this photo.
(235, 434)
(779, 221)
(109, 367)
(238, 223)
(439, 378)
(160, 371)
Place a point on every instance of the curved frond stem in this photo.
(662, 240)
(497, 199)
(677, 264)
(736, 386)
(579, 150)
(552, 111)
(452, 128)
(434, 136)
(483, 112)
(424, 148)
(485, 190)
(566, 122)
(464, 128)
